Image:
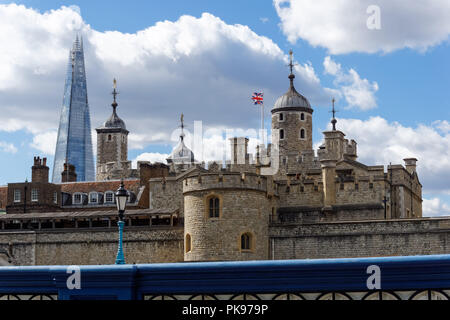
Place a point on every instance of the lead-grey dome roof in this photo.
(181, 153)
(114, 121)
(291, 98)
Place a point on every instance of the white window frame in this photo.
(17, 195)
(34, 195)
(74, 197)
(91, 199)
(300, 134)
(55, 197)
(106, 197)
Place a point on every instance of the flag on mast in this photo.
(258, 98)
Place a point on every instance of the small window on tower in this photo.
(281, 134)
(281, 117)
(302, 134)
(214, 207)
(246, 241)
(302, 116)
(109, 137)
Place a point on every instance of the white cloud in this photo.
(341, 26)
(382, 142)
(150, 156)
(45, 142)
(7, 147)
(358, 93)
(191, 65)
(435, 207)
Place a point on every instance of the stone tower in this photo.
(292, 116)
(112, 146)
(226, 216)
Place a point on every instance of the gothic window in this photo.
(246, 241)
(188, 244)
(34, 195)
(281, 134)
(302, 116)
(17, 195)
(214, 207)
(302, 134)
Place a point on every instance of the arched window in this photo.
(302, 116)
(109, 137)
(188, 243)
(246, 241)
(214, 207)
(281, 134)
(302, 133)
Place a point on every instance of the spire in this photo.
(333, 120)
(291, 66)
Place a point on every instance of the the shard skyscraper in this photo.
(74, 144)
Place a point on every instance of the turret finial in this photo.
(291, 67)
(182, 126)
(114, 93)
(333, 120)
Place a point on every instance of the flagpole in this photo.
(262, 122)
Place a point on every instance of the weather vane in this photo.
(114, 93)
(291, 60)
(333, 121)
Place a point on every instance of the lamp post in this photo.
(121, 201)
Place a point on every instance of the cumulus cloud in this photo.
(435, 207)
(45, 142)
(426, 143)
(358, 93)
(192, 65)
(341, 26)
(150, 156)
(7, 147)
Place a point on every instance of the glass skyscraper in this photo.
(74, 144)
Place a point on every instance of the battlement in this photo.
(225, 180)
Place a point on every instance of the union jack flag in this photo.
(257, 97)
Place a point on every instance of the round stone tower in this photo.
(226, 216)
(292, 116)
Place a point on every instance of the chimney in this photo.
(69, 174)
(239, 147)
(39, 170)
(410, 164)
(148, 171)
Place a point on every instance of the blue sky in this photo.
(392, 81)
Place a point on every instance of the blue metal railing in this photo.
(228, 280)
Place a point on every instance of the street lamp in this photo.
(121, 201)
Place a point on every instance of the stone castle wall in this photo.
(360, 239)
(88, 247)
